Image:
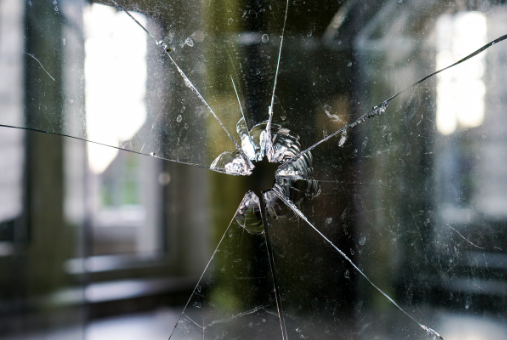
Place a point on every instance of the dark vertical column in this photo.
(43, 110)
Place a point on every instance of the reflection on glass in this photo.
(126, 212)
(11, 97)
(115, 77)
(461, 90)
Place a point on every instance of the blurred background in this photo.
(99, 243)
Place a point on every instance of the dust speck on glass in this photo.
(387, 217)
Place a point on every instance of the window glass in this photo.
(384, 213)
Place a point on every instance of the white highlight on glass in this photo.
(115, 77)
(460, 90)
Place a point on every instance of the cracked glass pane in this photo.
(387, 213)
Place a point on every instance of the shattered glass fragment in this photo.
(234, 163)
